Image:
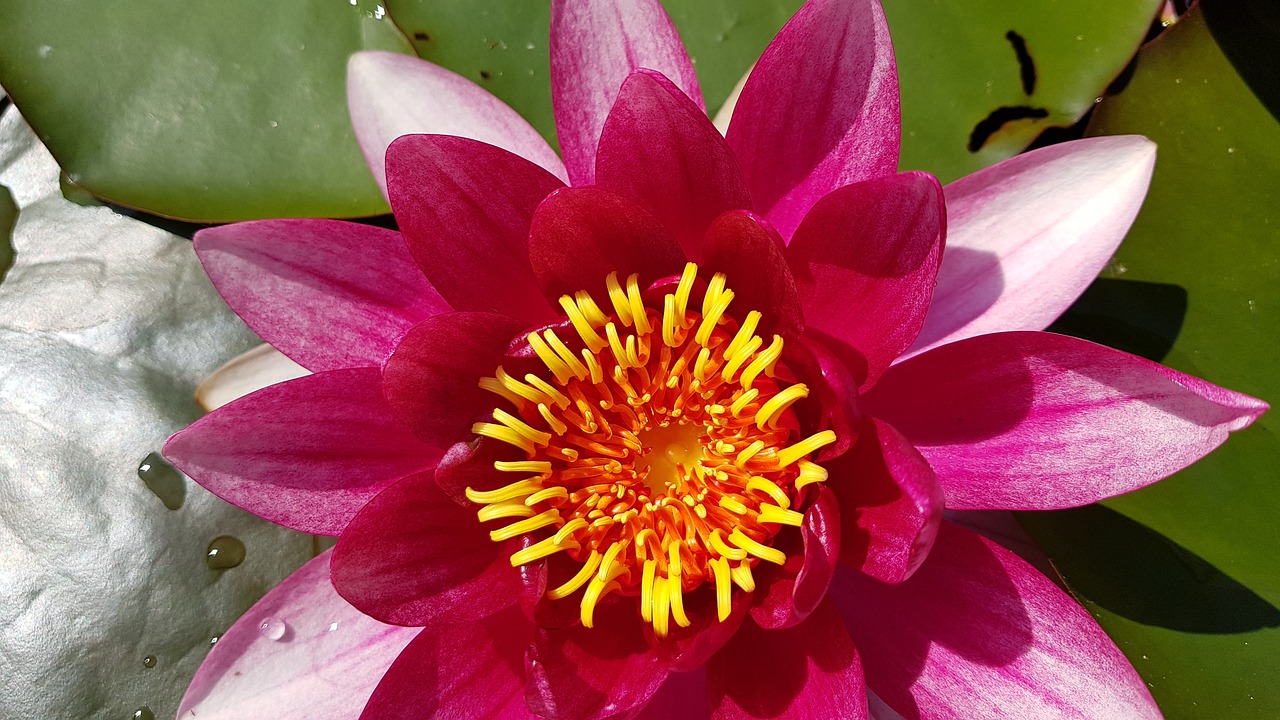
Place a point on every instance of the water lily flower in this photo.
(668, 427)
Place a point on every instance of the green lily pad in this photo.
(981, 80)
(110, 598)
(208, 111)
(1198, 617)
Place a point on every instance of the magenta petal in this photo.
(465, 670)
(890, 503)
(979, 633)
(431, 379)
(820, 109)
(301, 651)
(595, 45)
(328, 294)
(809, 671)
(865, 260)
(580, 235)
(389, 95)
(412, 556)
(469, 464)
(789, 600)
(577, 673)
(659, 149)
(1037, 421)
(306, 453)
(465, 208)
(751, 255)
(1027, 236)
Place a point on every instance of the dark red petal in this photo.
(431, 380)
(659, 149)
(689, 648)
(751, 255)
(809, 671)
(307, 453)
(469, 464)
(865, 260)
(977, 632)
(412, 556)
(833, 401)
(790, 598)
(577, 673)
(682, 697)
(890, 503)
(465, 208)
(820, 109)
(464, 670)
(580, 235)
(328, 294)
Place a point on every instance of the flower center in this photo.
(661, 450)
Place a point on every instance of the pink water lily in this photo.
(667, 429)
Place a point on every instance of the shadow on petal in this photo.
(1138, 573)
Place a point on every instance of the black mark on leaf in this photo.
(1026, 66)
(992, 123)
(486, 75)
(422, 36)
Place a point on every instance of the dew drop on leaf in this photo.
(163, 479)
(224, 553)
(149, 661)
(144, 713)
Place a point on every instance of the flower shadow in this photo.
(1141, 318)
(1139, 574)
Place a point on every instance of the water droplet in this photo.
(214, 640)
(333, 626)
(162, 479)
(149, 661)
(224, 553)
(43, 51)
(273, 629)
(144, 713)
(275, 124)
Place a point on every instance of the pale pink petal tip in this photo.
(247, 372)
(389, 95)
(300, 652)
(1027, 236)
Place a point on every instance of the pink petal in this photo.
(659, 149)
(791, 597)
(687, 649)
(307, 453)
(1027, 236)
(978, 633)
(595, 45)
(324, 665)
(328, 294)
(820, 109)
(431, 379)
(864, 261)
(834, 389)
(1037, 421)
(580, 235)
(809, 671)
(682, 697)
(751, 255)
(577, 673)
(412, 556)
(247, 372)
(464, 208)
(890, 502)
(389, 95)
(465, 670)
(469, 464)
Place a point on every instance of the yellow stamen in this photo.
(646, 590)
(775, 514)
(741, 574)
(810, 473)
(771, 489)
(749, 452)
(546, 494)
(524, 466)
(504, 510)
(636, 301)
(724, 601)
(539, 550)
(805, 447)
(725, 549)
(618, 296)
(528, 525)
(574, 364)
(577, 581)
(764, 552)
(507, 492)
(661, 607)
(763, 363)
(549, 358)
(768, 414)
(711, 317)
(537, 436)
(676, 602)
(594, 342)
(682, 291)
